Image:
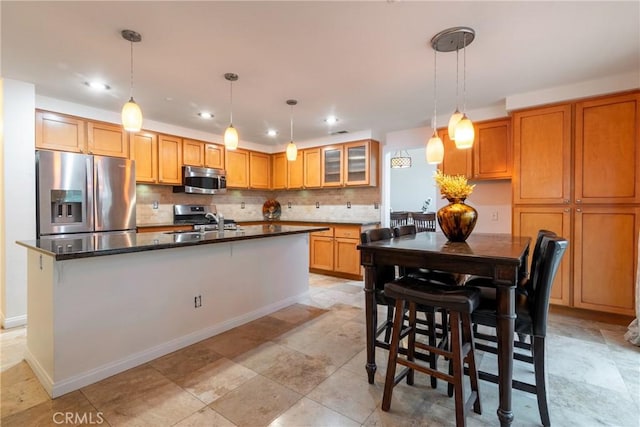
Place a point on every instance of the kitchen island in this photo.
(117, 301)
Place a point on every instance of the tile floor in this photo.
(304, 366)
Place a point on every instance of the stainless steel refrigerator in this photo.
(79, 193)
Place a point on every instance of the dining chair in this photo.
(532, 308)
(427, 327)
(460, 302)
(399, 218)
(424, 221)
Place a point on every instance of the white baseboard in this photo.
(56, 389)
(40, 372)
(13, 322)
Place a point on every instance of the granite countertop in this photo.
(101, 244)
(279, 221)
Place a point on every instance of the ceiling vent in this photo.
(339, 132)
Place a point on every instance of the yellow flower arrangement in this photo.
(453, 186)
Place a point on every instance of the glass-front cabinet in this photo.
(350, 164)
(332, 166)
(356, 168)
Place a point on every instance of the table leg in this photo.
(371, 320)
(505, 332)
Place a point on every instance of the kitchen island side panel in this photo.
(115, 312)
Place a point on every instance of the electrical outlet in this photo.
(317, 205)
(289, 205)
(197, 301)
(376, 205)
(348, 205)
(242, 205)
(494, 216)
(155, 204)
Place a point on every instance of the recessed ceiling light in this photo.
(331, 120)
(98, 85)
(205, 115)
(272, 132)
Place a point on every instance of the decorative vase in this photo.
(457, 220)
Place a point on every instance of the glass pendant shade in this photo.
(292, 151)
(453, 121)
(435, 150)
(131, 116)
(465, 133)
(231, 138)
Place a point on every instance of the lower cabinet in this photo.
(335, 251)
(598, 270)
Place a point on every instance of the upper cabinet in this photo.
(279, 171)
(169, 160)
(332, 166)
(259, 170)
(237, 166)
(248, 169)
(491, 156)
(202, 154)
(67, 133)
(542, 149)
(351, 164)
(607, 150)
(296, 172)
(312, 167)
(455, 161)
(144, 150)
(105, 139)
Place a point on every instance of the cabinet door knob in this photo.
(567, 210)
(566, 200)
(578, 210)
(578, 201)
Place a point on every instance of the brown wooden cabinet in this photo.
(321, 256)
(332, 166)
(259, 170)
(312, 168)
(455, 161)
(361, 163)
(169, 160)
(345, 247)
(144, 150)
(105, 139)
(202, 154)
(296, 172)
(213, 156)
(492, 150)
(577, 173)
(237, 166)
(491, 156)
(278, 171)
(60, 132)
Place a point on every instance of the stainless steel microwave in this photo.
(198, 180)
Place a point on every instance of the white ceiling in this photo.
(369, 63)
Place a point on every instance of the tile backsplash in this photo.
(341, 204)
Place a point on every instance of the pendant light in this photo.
(131, 112)
(400, 160)
(457, 115)
(465, 134)
(292, 150)
(435, 147)
(231, 134)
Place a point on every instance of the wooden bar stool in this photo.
(460, 302)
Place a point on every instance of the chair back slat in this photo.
(403, 230)
(399, 218)
(424, 221)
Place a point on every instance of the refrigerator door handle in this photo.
(89, 194)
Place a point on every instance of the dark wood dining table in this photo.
(502, 257)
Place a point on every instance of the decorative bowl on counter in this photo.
(271, 209)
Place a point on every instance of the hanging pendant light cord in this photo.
(231, 103)
(464, 73)
(457, 78)
(435, 88)
(131, 86)
(291, 123)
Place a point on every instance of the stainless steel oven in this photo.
(198, 180)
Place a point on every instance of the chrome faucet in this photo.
(210, 215)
